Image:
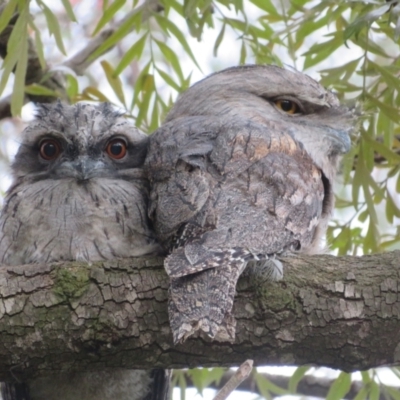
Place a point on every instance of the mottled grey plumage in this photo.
(85, 202)
(235, 178)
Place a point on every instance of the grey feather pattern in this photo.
(82, 204)
(234, 179)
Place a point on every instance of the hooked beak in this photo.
(82, 169)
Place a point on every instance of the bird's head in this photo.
(283, 100)
(78, 142)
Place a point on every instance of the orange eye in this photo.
(116, 149)
(288, 106)
(50, 149)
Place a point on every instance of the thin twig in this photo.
(240, 375)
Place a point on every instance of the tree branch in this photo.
(341, 312)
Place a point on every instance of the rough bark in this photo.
(341, 312)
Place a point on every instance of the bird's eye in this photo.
(116, 149)
(288, 106)
(50, 149)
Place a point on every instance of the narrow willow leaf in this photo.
(389, 111)
(218, 40)
(53, 26)
(134, 52)
(167, 78)
(311, 25)
(370, 204)
(172, 28)
(380, 148)
(340, 387)
(182, 385)
(398, 184)
(297, 377)
(8, 66)
(266, 5)
(374, 391)
(148, 90)
(343, 241)
(108, 14)
(362, 394)
(155, 117)
(72, 87)
(21, 52)
(321, 51)
(69, 10)
(126, 27)
(198, 376)
(369, 45)
(262, 386)
(38, 43)
(266, 387)
(139, 85)
(114, 81)
(7, 13)
(392, 210)
(394, 393)
(237, 24)
(40, 90)
(387, 75)
(171, 57)
(95, 94)
(243, 53)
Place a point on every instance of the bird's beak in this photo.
(82, 168)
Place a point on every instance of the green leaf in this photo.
(266, 5)
(383, 150)
(7, 14)
(340, 387)
(318, 52)
(297, 377)
(108, 14)
(134, 52)
(218, 40)
(343, 241)
(72, 87)
(171, 57)
(388, 76)
(148, 90)
(172, 28)
(126, 27)
(39, 90)
(394, 393)
(243, 53)
(115, 82)
(21, 52)
(38, 43)
(167, 78)
(362, 394)
(398, 184)
(266, 387)
(389, 111)
(392, 210)
(374, 391)
(69, 10)
(92, 93)
(365, 20)
(139, 84)
(52, 25)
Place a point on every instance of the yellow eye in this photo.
(288, 106)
